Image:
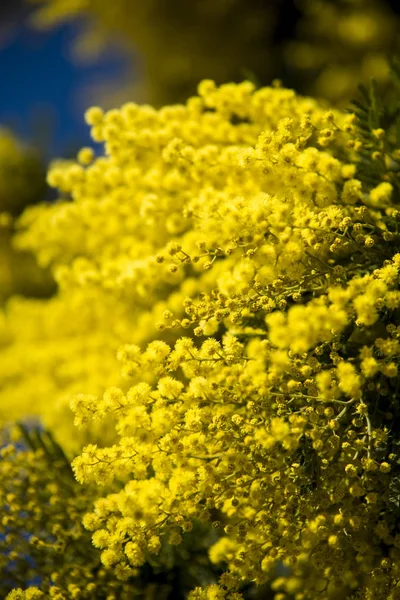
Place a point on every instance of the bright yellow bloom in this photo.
(225, 334)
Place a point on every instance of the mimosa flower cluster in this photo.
(226, 334)
(42, 533)
(43, 541)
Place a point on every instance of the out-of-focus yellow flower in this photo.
(22, 182)
(338, 44)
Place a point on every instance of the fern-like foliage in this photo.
(40, 439)
(379, 109)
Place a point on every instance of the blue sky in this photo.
(42, 90)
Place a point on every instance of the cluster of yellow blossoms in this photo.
(43, 541)
(226, 334)
(41, 529)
